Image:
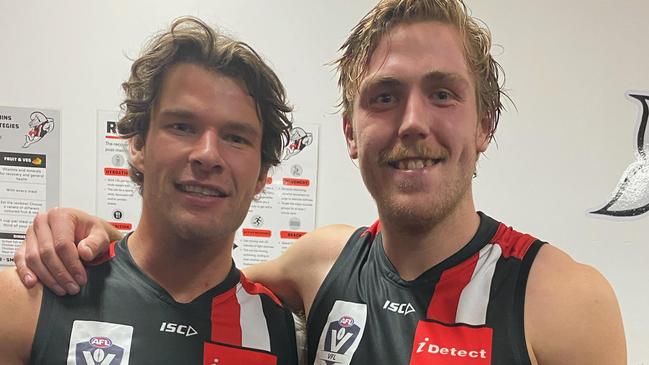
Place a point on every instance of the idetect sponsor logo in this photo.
(432, 348)
(437, 343)
(401, 308)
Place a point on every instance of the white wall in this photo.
(559, 154)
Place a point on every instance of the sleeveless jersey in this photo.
(468, 309)
(123, 317)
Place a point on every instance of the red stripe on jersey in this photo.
(513, 243)
(256, 288)
(226, 314)
(443, 304)
(106, 256)
(373, 230)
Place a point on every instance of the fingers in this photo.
(55, 239)
(95, 244)
(33, 260)
(64, 227)
(26, 276)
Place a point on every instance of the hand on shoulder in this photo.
(571, 313)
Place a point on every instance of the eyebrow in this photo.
(436, 77)
(237, 126)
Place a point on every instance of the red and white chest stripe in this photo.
(462, 293)
(238, 317)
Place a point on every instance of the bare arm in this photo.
(297, 274)
(19, 308)
(50, 254)
(571, 314)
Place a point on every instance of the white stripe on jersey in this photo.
(254, 329)
(472, 307)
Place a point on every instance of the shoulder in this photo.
(296, 275)
(19, 309)
(571, 313)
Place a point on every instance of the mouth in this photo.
(202, 190)
(414, 163)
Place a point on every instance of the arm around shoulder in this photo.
(571, 313)
(19, 309)
(296, 275)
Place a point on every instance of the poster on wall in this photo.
(118, 199)
(285, 210)
(30, 171)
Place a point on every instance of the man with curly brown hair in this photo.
(205, 119)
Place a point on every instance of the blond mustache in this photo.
(419, 150)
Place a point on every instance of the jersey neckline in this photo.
(121, 251)
(486, 231)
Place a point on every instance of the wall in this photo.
(559, 153)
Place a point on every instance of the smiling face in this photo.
(201, 156)
(415, 127)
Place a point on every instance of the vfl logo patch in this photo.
(342, 334)
(439, 344)
(99, 343)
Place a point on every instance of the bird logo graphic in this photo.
(631, 196)
(39, 126)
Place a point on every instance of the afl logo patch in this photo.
(99, 343)
(342, 333)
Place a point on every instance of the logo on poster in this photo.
(39, 126)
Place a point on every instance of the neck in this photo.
(184, 268)
(413, 251)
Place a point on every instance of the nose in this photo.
(205, 154)
(416, 120)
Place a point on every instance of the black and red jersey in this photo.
(124, 317)
(468, 309)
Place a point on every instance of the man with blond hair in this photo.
(432, 281)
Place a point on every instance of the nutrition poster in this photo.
(30, 171)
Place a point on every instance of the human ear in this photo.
(483, 135)
(136, 152)
(350, 138)
(261, 180)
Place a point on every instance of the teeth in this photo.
(201, 190)
(413, 164)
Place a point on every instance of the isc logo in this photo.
(401, 308)
(180, 329)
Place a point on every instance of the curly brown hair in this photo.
(358, 48)
(189, 40)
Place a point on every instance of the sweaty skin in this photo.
(417, 104)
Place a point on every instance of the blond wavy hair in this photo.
(189, 40)
(358, 48)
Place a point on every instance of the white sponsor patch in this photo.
(99, 343)
(342, 333)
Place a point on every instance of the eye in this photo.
(443, 96)
(383, 100)
(237, 139)
(181, 128)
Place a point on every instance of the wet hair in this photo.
(366, 35)
(189, 40)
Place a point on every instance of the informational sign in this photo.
(118, 199)
(285, 210)
(30, 171)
